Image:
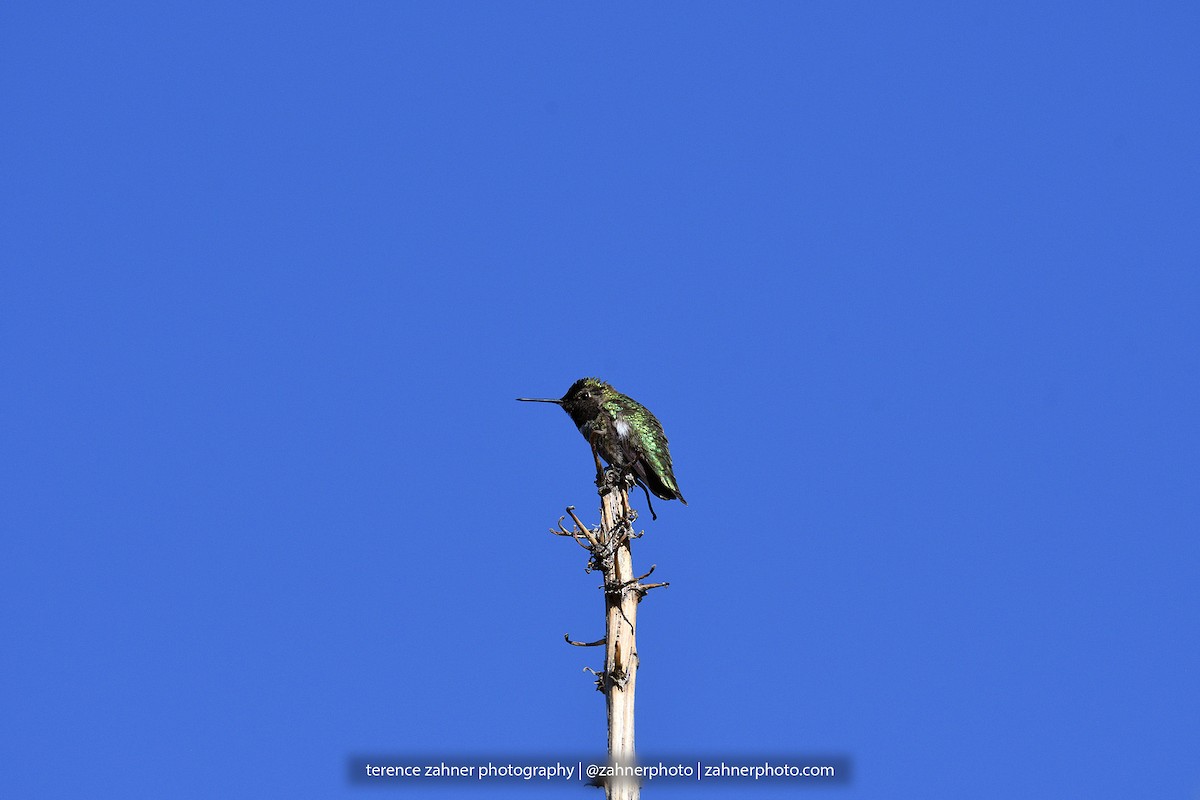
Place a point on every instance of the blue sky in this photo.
(913, 289)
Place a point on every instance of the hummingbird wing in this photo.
(642, 446)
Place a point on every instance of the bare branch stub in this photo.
(584, 529)
(570, 641)
(601, 680)
(576, 534)
(643, 588)
(648, 573)
(596, 456)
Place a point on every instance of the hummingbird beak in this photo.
(539, 400)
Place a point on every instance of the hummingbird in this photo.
(623, 432)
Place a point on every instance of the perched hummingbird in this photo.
(623, 432)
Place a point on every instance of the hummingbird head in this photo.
(585, 397)
(582, 401)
